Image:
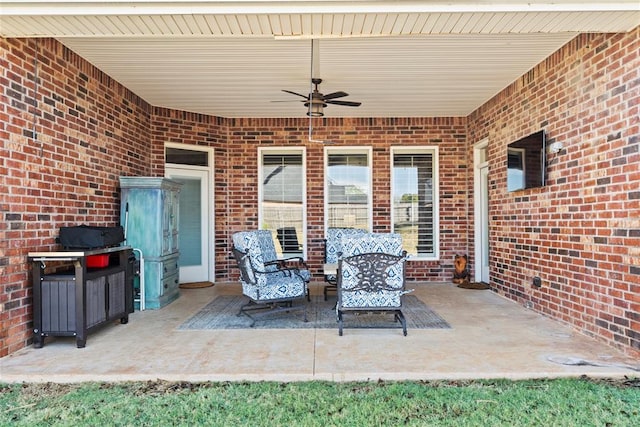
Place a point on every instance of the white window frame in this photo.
(428, 149)
(349, 150)
(284, 150)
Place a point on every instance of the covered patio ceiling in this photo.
(234, 58)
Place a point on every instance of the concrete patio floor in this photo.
(490, 337)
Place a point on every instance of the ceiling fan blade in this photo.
(295, 93)
(334, 95)
(345, 103)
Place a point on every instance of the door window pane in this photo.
(414, 201)
(348, 189)
(190, 222)
(282, 199)
(181, 156)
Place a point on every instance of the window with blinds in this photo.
(281, 192)
(348, 188)
(415, 203)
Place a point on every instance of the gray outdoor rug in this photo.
(222, 313)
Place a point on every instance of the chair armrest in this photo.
(285, 263)
(297, 261)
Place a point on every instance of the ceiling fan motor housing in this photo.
(316, 99)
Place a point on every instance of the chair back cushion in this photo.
(267, 248)
(387, 243)
(248, 243)
(241, 240)
(333, 245)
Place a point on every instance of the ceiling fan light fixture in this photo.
(315, 108)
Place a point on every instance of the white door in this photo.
(194, 228)
(483, 274)
(481, 212)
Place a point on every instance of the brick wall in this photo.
(236, 173)
(64, 142)
(581, 232)
(449, 134)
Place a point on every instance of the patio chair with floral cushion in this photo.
(270, 290)
(333, 251)
(271, 260)
(371, 276)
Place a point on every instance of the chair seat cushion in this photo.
(277, 286)
(375, 300)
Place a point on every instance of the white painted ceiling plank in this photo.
(316, 25)
(338, 24)
(202, 25)
(234, 26)
(358, 24)
(168, 25)
(388, 23)
(431, 21)
(296, 24)
(408, 24)
(264, 24)
(307, 24)
(213, 25)
(223, 25)
(244, 27)
(347, 24)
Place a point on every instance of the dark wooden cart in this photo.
(79, 299)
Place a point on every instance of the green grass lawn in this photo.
(562, 402)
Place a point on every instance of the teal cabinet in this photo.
(149, 214)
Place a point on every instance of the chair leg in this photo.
(268, 308)
(328, 287)
(400, 318)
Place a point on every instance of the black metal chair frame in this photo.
(372, 277)
(258, 308)
(331, 284)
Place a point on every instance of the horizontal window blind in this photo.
(348, 190)
(413, 201)
(282, 204)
